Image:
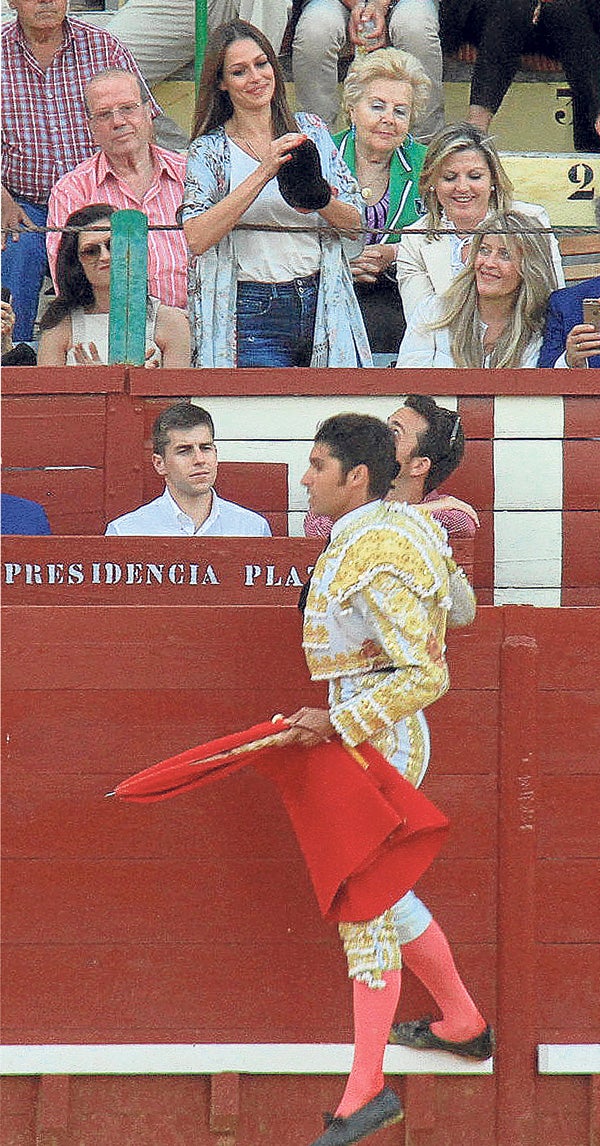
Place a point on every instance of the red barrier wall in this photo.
(97, 423)
(192, 921)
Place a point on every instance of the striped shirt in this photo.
(45, 130)
(454, 521)
(375, 217)
(94, 181)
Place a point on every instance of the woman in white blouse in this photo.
(462, 182)
(74, 330)
(493, 313)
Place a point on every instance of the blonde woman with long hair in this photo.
(493, 313)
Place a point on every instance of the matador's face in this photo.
(330, 493)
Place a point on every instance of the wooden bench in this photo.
(580, 256)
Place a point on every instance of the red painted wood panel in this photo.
(582, 416)
(477, 416)
(581, 477)
(18, 1096)
(184, 383)
(178, 633)
(567, 915)
(575, 834)
(179, 383)
(569, 648)
(570, 721)
(473, 481)
(581, 558)
(54, 431)
(72, 498)
(563, 1112)
(141, 923)
(570, 974)
(29, 380)
(155, 570)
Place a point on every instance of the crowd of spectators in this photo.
(297, 247)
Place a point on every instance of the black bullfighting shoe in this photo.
(381, 1111)
(418, 1034)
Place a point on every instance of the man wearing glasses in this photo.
(47, 59)
(129, 171)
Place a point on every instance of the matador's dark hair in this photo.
(360, 439)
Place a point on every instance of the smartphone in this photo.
(6, 296)
(591, 312)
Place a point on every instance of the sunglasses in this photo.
(94, 250)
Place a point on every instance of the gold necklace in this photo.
(253, 152)
(368, 191)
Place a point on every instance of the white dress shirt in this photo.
(164, 518)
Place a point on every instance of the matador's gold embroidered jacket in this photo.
(375, 626)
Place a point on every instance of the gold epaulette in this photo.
(397, 538)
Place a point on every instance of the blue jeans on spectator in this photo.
(24, 265)
(276, 322)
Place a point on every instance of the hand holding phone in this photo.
(591, 312)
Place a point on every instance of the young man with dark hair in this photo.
(374, 628)
(185, 454)
(441, 441)
(429, 446)
(181, 416)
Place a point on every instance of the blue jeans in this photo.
(24, 265)
(276, 322)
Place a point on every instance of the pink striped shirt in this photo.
(45, 130)
(455, 521)
(94, 181)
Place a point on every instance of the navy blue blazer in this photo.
(19, 515)
(564, 312)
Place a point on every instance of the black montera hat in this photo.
(301, 181)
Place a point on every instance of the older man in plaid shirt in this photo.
(47, 60)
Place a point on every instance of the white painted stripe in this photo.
(569, 1058)
(531, 417)
(215, 1058)
(528, 551)
(542, 598)
(528, 474)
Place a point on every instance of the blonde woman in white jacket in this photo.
(462, 182)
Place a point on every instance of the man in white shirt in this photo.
(186, 456)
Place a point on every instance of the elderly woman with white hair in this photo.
(384, 92)
(493, 313)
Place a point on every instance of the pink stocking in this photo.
(374, 1012)
(429, 958)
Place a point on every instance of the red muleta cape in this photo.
(366, 834)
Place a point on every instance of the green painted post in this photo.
(128, 287)
(201, 38)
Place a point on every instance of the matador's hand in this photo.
(308, 726)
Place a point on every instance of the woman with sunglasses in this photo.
(74, 328)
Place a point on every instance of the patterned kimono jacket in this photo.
(340, 338)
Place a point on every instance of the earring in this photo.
(353, 131)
